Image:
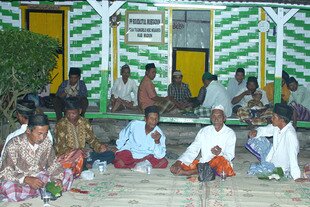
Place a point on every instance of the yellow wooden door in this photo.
(192, 64)
(51, 24)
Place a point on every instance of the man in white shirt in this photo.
(121, 97)
(216, 94)
(285, 148)
(213, 141)
(245, 94)
(24, 109)
(236, 84)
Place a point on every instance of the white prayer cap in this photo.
(177, 73)
(219, 107)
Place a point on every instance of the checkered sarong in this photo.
(303, 114)
(14, 191)
(202, 111)
(164, 106)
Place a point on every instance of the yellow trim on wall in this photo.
(170, 39)
(115, 53)
(66, 31)
(23, 16)
(262, 51)
(211, 49)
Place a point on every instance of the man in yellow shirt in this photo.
(269, 88)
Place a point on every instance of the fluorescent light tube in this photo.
(190, 6)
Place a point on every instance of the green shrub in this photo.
(26, 60)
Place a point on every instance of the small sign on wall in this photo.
(144, 27)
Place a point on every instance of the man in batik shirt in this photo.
(29, 162)
(72, 134)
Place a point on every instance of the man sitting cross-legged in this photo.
(142, 140)
(284, 150)
(29, 162)
(72, 133)
(216, 143)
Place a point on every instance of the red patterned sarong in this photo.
(124, 159)
(73, 160)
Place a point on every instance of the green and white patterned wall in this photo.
(236, 41)
(296, 48)
(85, 45)
(137, 56)
(9, 15)
(236, 44)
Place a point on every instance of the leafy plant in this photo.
(26, 60)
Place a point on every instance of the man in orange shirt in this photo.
(269, 88)
(147, 95)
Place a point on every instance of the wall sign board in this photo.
(144, 27)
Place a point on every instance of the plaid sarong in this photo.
(164, 106)
(259, 147)
(202, 111)
(303, 114)
(14, 191)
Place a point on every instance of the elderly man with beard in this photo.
(29, 162)
(216, 143)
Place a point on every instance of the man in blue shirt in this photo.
(74, 87)
(140, 141)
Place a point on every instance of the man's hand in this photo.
(33, 182)
(216, 150)
(103, 148)
(156, 136)
(252, 133)
(176, 168)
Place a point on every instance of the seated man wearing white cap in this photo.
(216, 143)
(284, 150)
(179, 91)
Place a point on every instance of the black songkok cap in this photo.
(26, 107)
(149, 66)
(151, 109)
(283, 110)
(75, 71)
(72, 103)
(285, 76)
(38, 120)
(291, 80)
